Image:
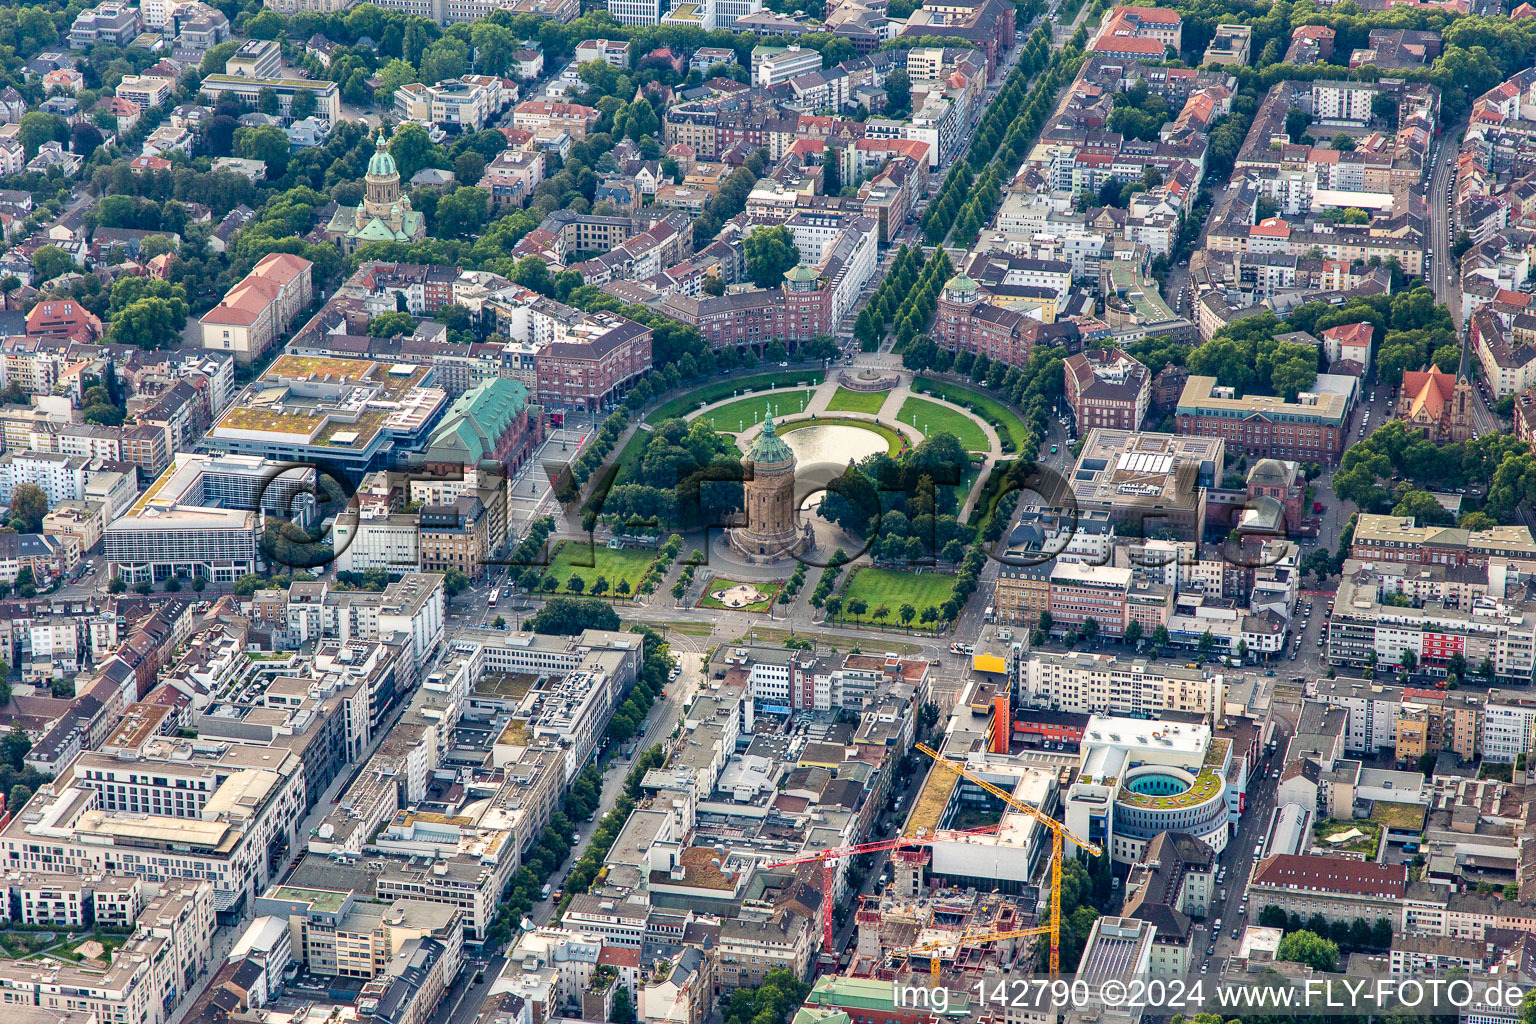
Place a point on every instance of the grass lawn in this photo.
(719, 585)
(892, 438)
(894, 588)
(744, 413)
(621, 564)
(629, 455)
(932, 418)
(1002, 418)
(847, 400)
(688, 402)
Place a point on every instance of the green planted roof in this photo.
(769, 448)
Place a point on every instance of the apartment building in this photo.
(455, 536)
(112, 23)
(1021, 593)
(589, 369)
(452, 103)
(1509, 726)
(532, 115)
(513, 175)
(751, 947)
(1106, 684)
(61, 477)
(1080, 592)
(342, 935)
(168, 809)
(147, 91)
(775, 65)
(1386, 538)
(146, 981)
(1338, 889)
(1434, 616)
(1230, 45)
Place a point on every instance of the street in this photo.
(1238, 860)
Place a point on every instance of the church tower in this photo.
(1460, 424)
(381, 198)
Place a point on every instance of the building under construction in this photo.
(897, 933)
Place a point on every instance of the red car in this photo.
(1317, 507)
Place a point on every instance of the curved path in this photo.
(894, 399)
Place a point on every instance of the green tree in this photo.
(36, 129)
(623, 1007)
(50, 261)
(569, 616)
(267, 144)
(494, 46)
(413, 149)
(392, 76)
(770, 252)
(28, 506)
(150, 323)
(898, 93)
(1306, 947)
(387, 325)
(303, 105)
(1296, 123)
(446, 58)
(462, 212)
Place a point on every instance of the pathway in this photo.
(819, 397)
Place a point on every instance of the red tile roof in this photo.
(1333, 874)
(1352, 335)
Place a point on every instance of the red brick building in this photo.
(964, 323)
(593, 362)
(795, 312)
(1107, 388)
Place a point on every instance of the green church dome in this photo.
(382, 165)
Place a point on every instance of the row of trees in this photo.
(997, 153)
(995, 125)
(1358, 935)
(918, 303)
(875, 318)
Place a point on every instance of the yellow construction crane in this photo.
(1058, 831)
(961, 941)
